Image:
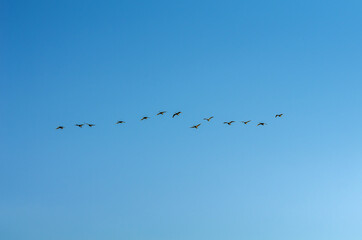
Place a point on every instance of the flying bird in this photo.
(90, 125)
(196, 126)
(279, 115)
(161, 113)
(246, 122)
(229, 123)
(60, 127)
(208, 119)
(79, 125)
(119, 122)
(261, 124)
(144, 118)
(176, 114)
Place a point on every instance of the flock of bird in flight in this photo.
(174, 115)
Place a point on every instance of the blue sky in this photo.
(65, 62)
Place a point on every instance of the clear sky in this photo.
(66, 62)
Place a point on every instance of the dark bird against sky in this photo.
(176, 114)
(208, 119)
(196, 126)
(161, 113)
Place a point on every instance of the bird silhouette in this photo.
(176, 114)
(208, 119)
(229, 123)
(60, 127)
(261, 124)
(161, 113)
(196, 126)
(144, 118)
(279, 115)
(79, 125)
(90, 125)
(246, 122)
(119, 122)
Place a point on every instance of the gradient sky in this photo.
(66, 62)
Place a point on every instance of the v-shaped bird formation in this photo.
(177, 114)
